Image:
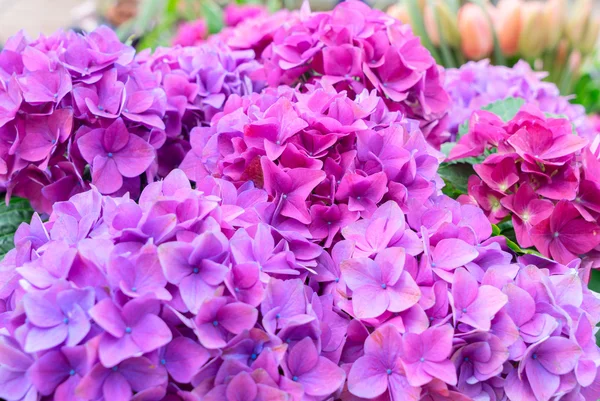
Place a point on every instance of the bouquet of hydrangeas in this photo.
(221, 241)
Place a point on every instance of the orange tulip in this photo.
(507, 23)
(477, 40)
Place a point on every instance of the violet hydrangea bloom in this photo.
(80, 108)
(84, 329)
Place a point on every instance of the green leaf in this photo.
(505, 229)
(456, 177)
(463, 129)
(274, 5)
(11, 217)
(495, 230)
(594, 284)
(506, 109)
(447, 147)
(213, 14)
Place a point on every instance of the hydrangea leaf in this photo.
(506, 109)
(11, 216)
(505, 229)
(456, 177)
(495, 230)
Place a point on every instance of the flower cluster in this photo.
(353, 48)
(77, 108)
(478, 84)
(540, 174)
(324, 158)
(193, 295)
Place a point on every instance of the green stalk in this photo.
(565, 79)
(449, 61)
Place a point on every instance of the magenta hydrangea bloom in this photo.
(478, 83)
(323, 158)
(352, 47)
(541, 175)
(80, 109)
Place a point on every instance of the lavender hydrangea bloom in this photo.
(414, 304)
(478, 83)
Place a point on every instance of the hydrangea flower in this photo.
(353, 48)
(194, 294)
(478, 83)
(541, 175)
(80, 109)
(323, 158)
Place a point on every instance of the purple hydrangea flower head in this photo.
(314, 147)
(80, 108)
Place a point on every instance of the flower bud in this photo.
(532, 40)
(447, 22)
(475, 30)
(507, 23)
(555, 12)
(562, 52)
